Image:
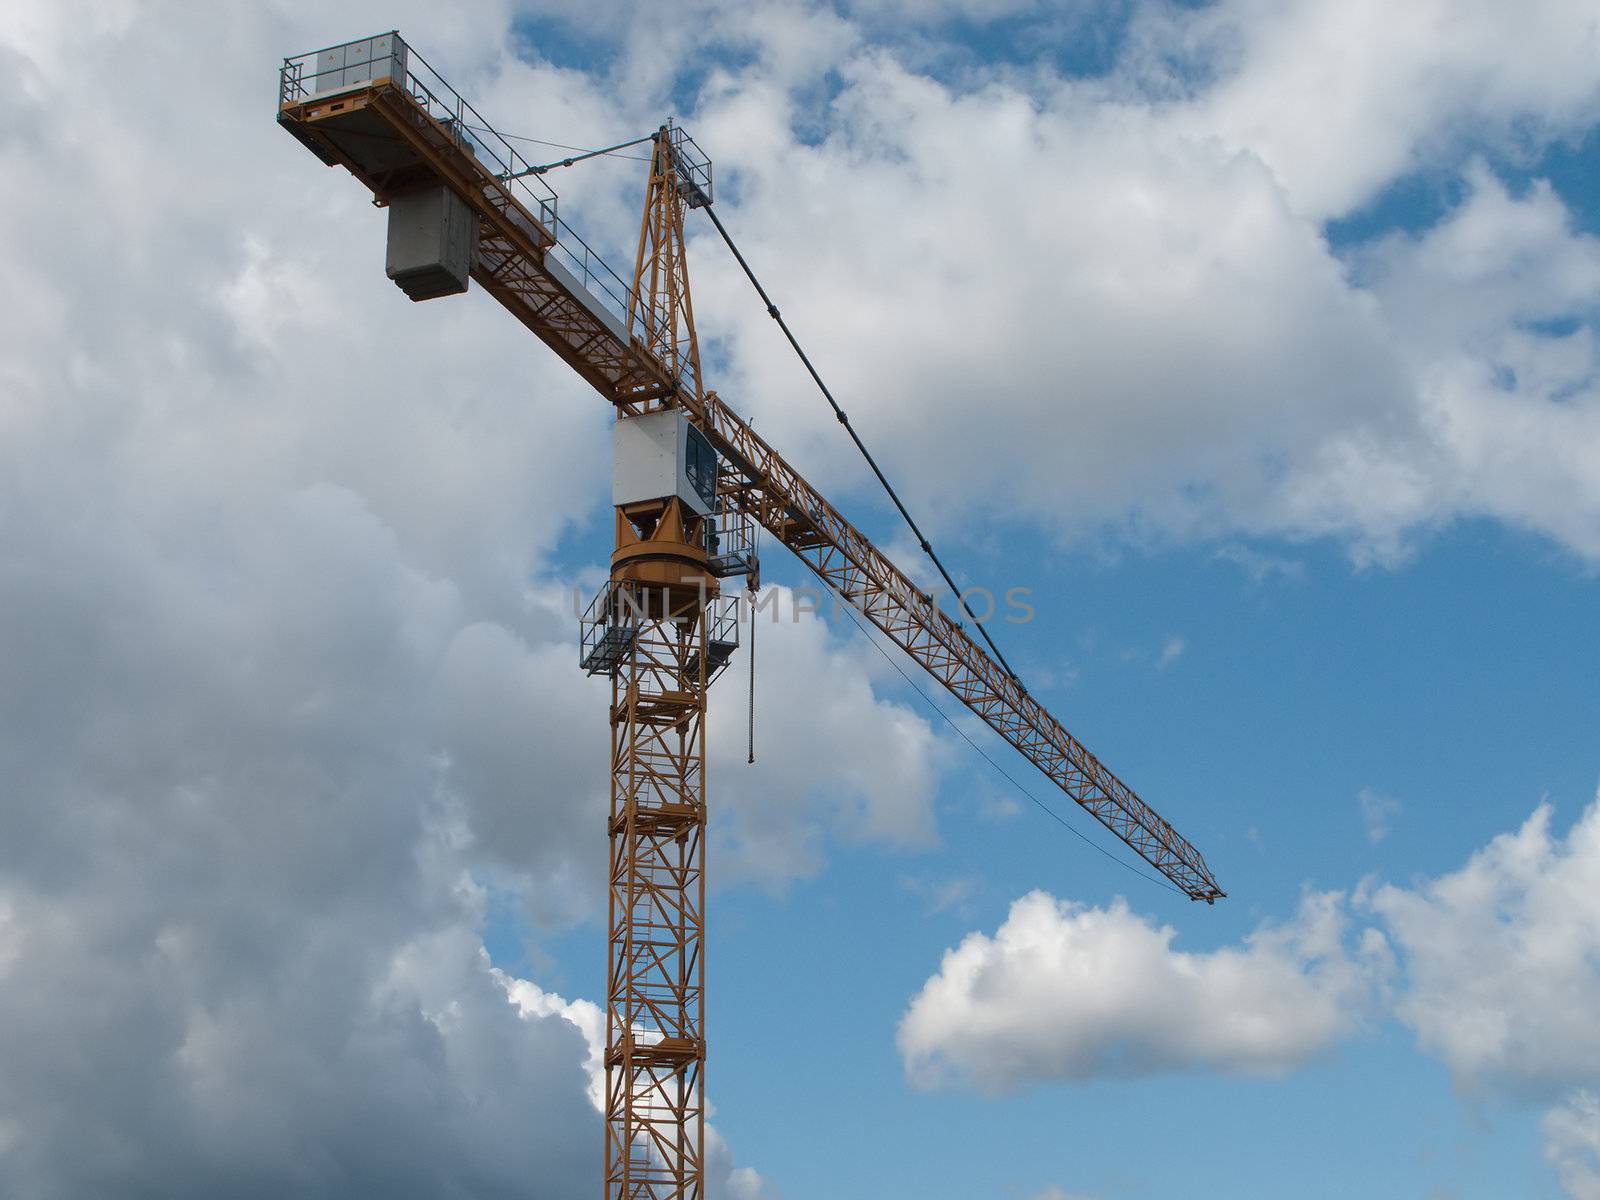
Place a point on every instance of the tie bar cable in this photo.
(843, 419)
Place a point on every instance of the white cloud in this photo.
(533, 1002)
(1495, 966)
(1171, 651)
(997, 806)
(929, 11)
(724, 1181)
(1502, 959)
(1063, 991)
(942, 896)
(1572, 1144)
(1259, 566)
(1168, 343)
(1509, 405)
(10, 936)
(1168, 346)
(367, 1051)
(1210, 337)
(1341, 99)
(831, 756)
(1378, 813)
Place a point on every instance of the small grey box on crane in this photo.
(358, 63)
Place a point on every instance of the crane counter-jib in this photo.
(382, 113)
(401, 129)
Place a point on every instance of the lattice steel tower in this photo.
(668, 632)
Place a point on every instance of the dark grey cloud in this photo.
(238, 923)
(290, 679)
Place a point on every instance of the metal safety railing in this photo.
(693, 168)
(614, 619)
(607, 631)
(731, 541)
(386, 56)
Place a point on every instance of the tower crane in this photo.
(692, 482)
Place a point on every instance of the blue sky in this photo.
(1257, 339)
(1454, 688)
(1457, 685)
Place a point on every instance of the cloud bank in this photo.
(1495, 967)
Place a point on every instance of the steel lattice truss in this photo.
(660, 304)
(655, 1038)
(774, 494)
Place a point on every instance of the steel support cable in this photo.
(843, 418)
(1012, 779)
(578, 158)
(583, 152)
(753, 623)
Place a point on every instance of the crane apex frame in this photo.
(692, 482)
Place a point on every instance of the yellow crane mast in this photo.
(691, 481)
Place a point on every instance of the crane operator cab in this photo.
(660, 455)
(667, 563)
(664, 487)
